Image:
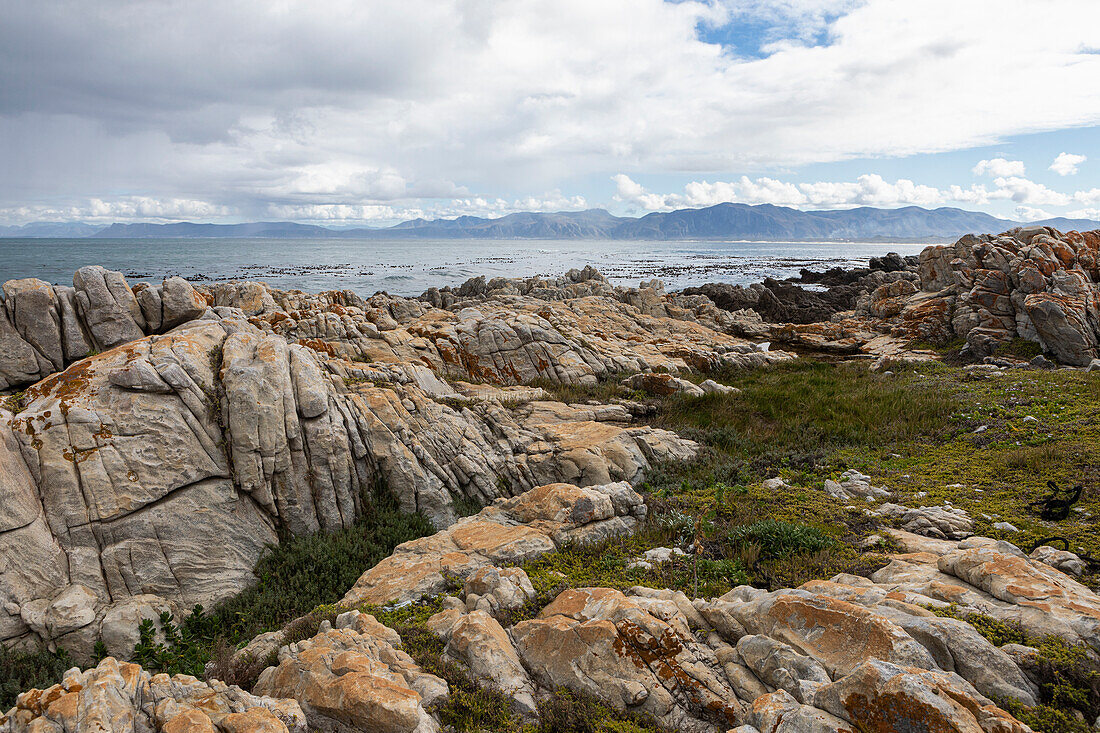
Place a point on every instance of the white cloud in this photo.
(1066, 164)
(128, 208)
(1030, 213)
(1024, 191)
(866, 190)
(376, 215)
(249, 103)
(999, 167)
(1093, 214)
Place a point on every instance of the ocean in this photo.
(408, 267)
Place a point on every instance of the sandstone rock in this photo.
(931, 521)
(1063, 560)
(778, 665)
(663, 384)
(356, 676)
(509, 530)
(477, 640)
(110, 462)
(854, 485)
(498, 589)
(121, 697)
(878, 695)
(33, 310)
(606, 644)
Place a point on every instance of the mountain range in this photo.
(762, 222)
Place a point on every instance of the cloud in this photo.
(1030, 213)
(999, 167)
(247, 103)
(1066, 164)
(866, 190)
(127, 208)
(1024, 191)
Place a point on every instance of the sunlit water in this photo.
(409, 267)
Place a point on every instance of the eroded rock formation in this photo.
(120, 697)
(150, 476)
(850, 653)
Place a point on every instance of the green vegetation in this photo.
(22, 670)
(930, 433)
(1068, 675)
(14, 402)
(1019, 348)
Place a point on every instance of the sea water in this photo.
(408, 267)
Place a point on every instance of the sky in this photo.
(369, 112)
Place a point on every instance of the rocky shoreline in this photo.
(158, 438)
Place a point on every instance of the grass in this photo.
(916, 433)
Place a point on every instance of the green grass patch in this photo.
(1019, 348)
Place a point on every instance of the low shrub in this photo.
(779, 539)
(567, 711)
(1067, 674)
(22, 670)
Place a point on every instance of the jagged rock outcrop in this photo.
(1034, 283)
(120, 697)
(778, 301)
(243, 414)
(109, 463)
(846, 654)
(355, 677)
(45, 327)
(850, 653)
(510, 530)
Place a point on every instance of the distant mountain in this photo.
(65, 229)
(723, 221)
(767, 222)
(186, 229)
(1063, 224)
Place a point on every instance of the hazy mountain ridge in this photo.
(722, 221)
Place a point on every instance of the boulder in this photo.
(117, 696)
(355, 676)
(108, 307)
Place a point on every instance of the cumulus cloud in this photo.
(127, 208)
(999, 167)
(1066, 164)
(1030, 213)
(866, 190)
(248, 103)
